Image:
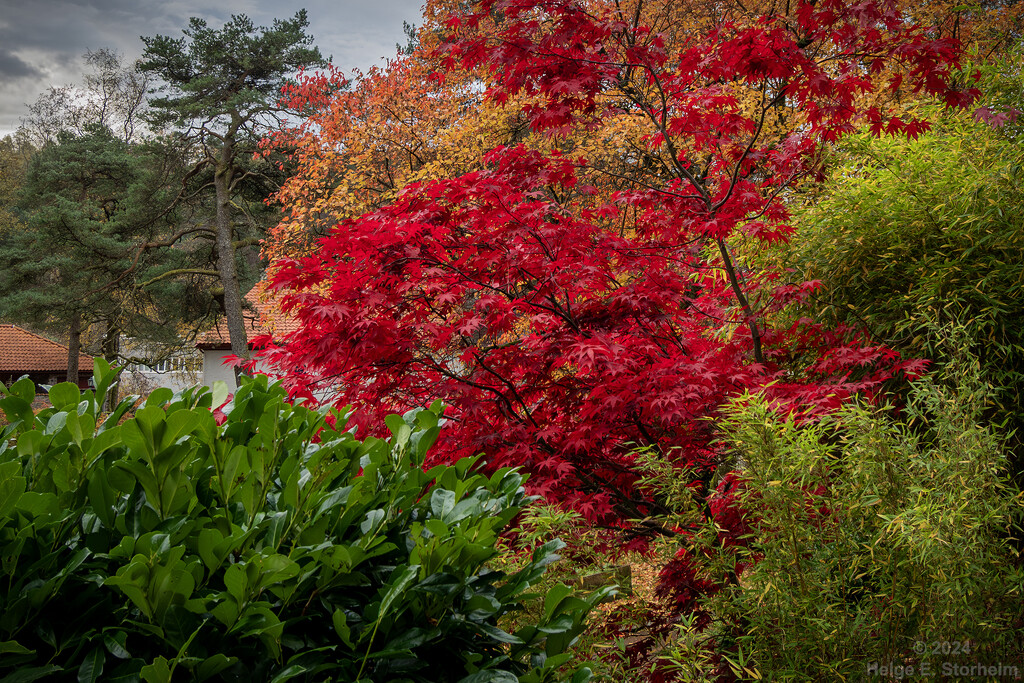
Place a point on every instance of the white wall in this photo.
(143, 382)
(214, 369)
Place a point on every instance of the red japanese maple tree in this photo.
(569, 307)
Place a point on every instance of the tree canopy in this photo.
(583, 284)
(112, 95)
(91, 205)
(219, 90)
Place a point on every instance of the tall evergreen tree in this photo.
(15, 151)
(92, 207)
(221, 91)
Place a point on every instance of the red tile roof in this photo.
(267, 318)
(23, 351)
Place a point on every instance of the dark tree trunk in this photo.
(111, 347)
(74, 347)
(226, 253)
(111, 344)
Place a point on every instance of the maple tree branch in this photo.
(746, 152)
(673, 153)
(511, 386)
(502, 398)
(741, 298)
(660, 190)
(755, 332)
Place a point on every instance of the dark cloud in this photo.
(42, 41)
(11, 66)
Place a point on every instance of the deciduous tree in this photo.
(583, 290)
(113, 95)
(366, 137)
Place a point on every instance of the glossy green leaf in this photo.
(441, 502)
(24, 388)
(115, 644)
(490, 676)
(236, 582)
(12, 486)
(157, 672)
(26, 675)
(64, 395)
(340, 622)
(220, 393)
(92, 666)
(213, 665)
(13, 647)
(55, 423)
(289, 673)
(102, 497)
(397, 584)
(38, 504)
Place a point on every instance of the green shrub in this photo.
(271, 546)
(875, 539)
(912, 237)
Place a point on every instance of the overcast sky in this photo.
(42, 41)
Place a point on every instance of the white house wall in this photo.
(214, 369)
(141, 381)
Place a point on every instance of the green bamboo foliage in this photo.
(911, 237)
(879, 536)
